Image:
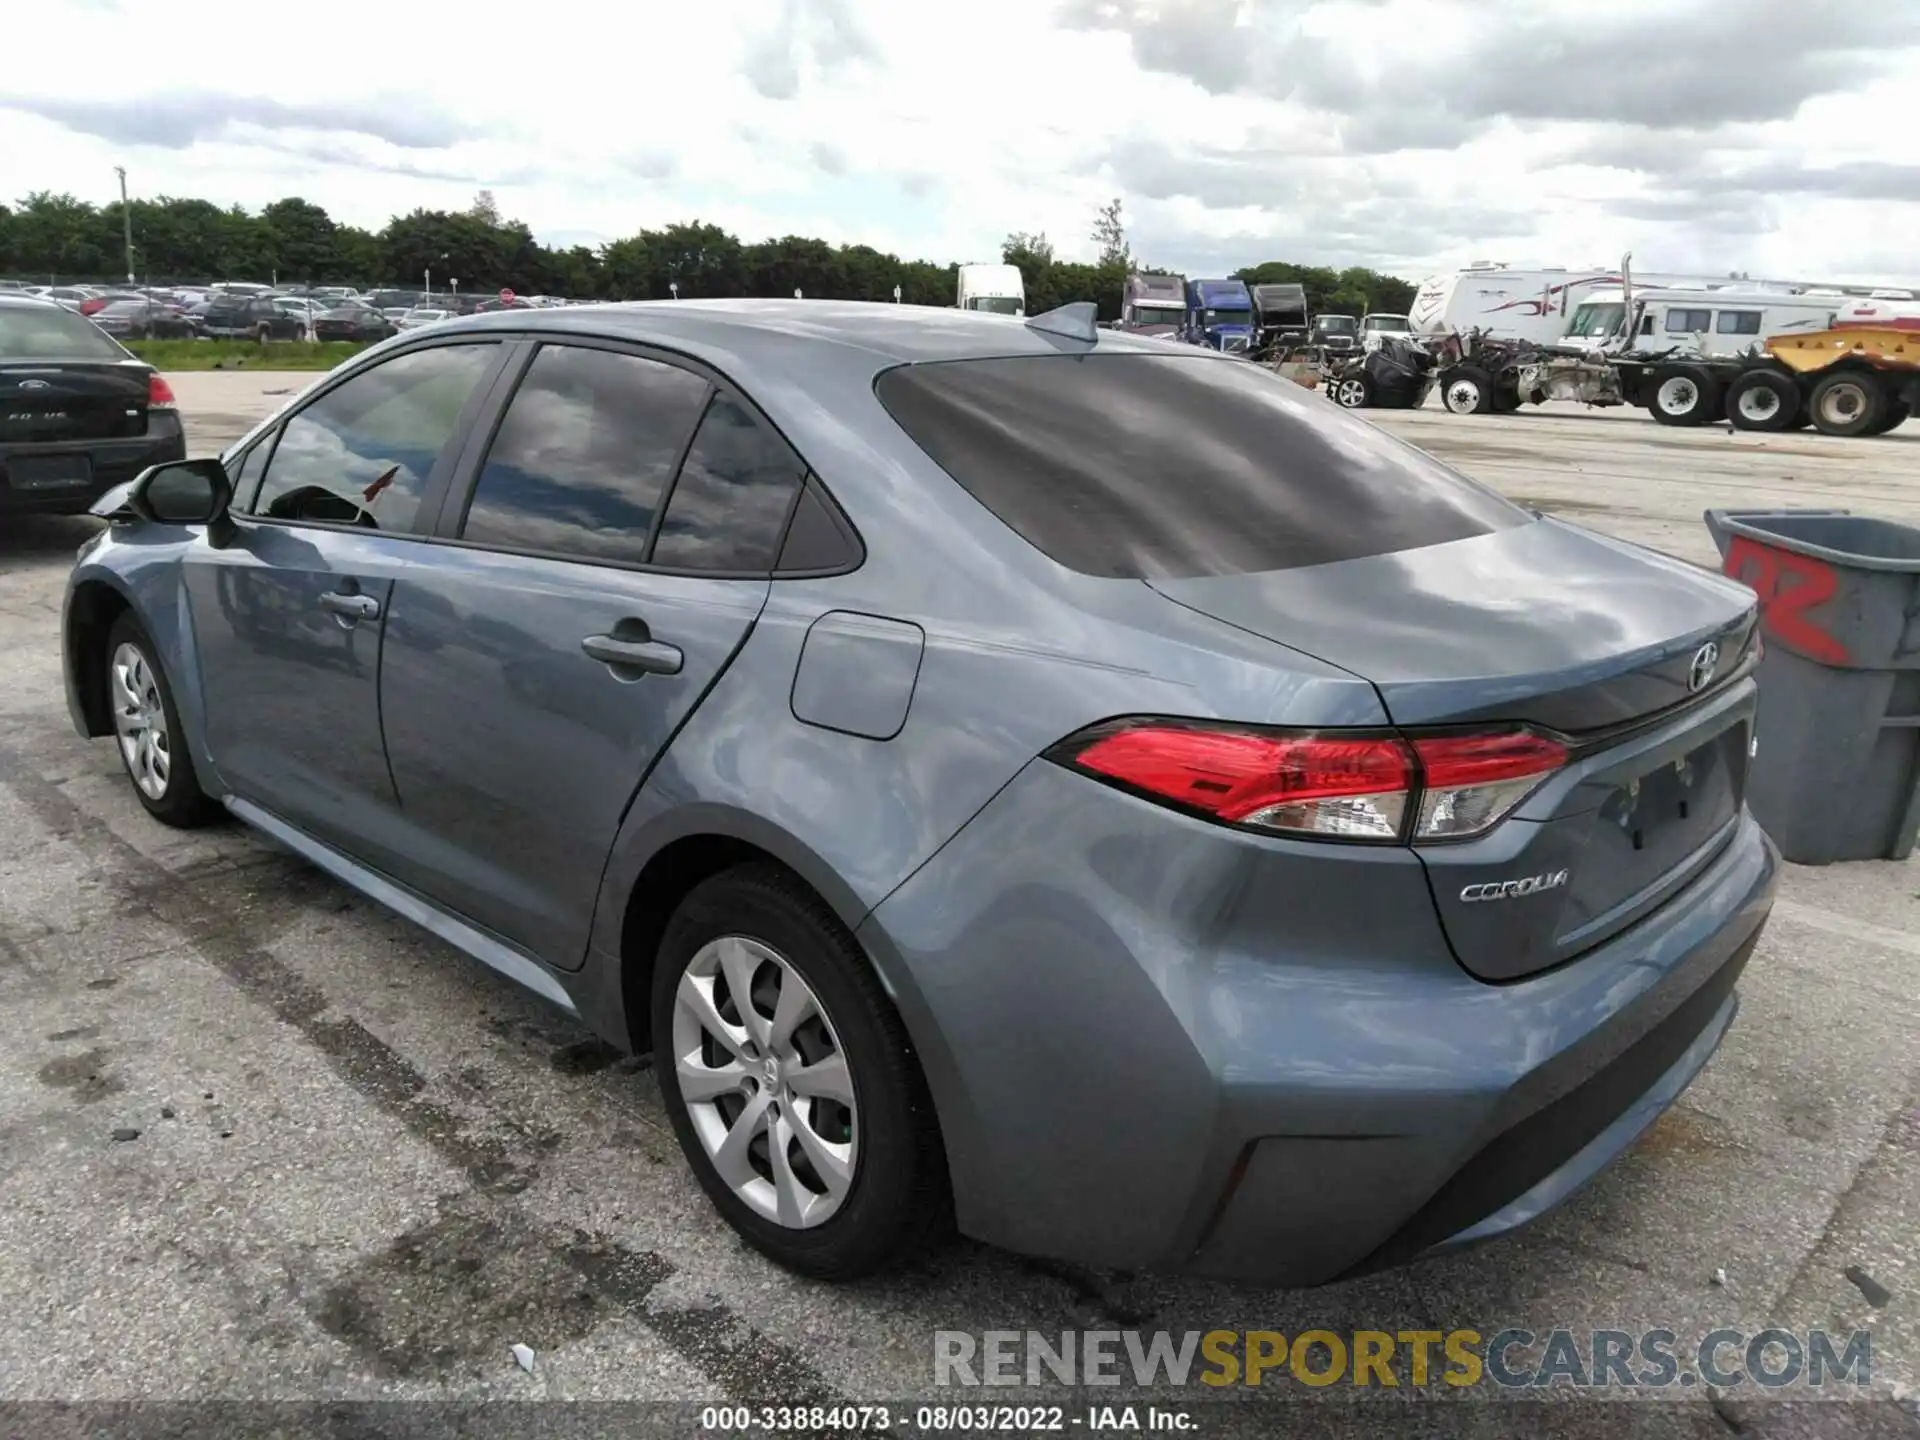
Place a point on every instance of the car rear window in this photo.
(33, 332)
(1163, 467)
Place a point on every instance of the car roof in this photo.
(863, 336)
(28, 302)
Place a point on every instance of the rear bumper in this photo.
(113, 463)
(1165, 1045)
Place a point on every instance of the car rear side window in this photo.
(584, 454)
(1164, 467)
(362, 453)
(729, 507)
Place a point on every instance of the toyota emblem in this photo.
(1705, 661)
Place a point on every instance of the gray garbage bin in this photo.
(1837, 772)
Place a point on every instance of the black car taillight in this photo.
(1376, 786)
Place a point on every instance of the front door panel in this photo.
(288, 625)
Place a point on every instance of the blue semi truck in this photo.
(1219, 315)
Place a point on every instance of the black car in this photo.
(142, 319)
(250, 317)
(352, 322)
(78, 414)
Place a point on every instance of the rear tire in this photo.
(759, 923)
(1763, 400)
(1852, 402)
(1684, 395)
(1467, 390)
(147, 731)
(1896, 416)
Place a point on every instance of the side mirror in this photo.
(182, 492)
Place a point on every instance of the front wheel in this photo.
(146, 728)
(1352, 393)
(1685, 395)
(790, 1080)
(1467, 390)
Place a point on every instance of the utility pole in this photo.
(126, 219)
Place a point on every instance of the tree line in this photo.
(56, 238)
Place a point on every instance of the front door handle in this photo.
(350, 607)
(656, 657)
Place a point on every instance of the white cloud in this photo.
(1401, 134)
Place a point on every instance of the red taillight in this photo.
(1345, 786)
(1332, 785)
(160, 394)
(1472, 782)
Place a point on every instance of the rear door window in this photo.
(583, 455)
(1163, 467)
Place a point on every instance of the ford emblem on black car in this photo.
(1514, 889)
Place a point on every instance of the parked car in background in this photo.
(402, 300)
(233, 316)
(422, 315)
(71, 296)
(101, 299)
(352, 322)
(1315, 864)
(141, 319)
(78, 414)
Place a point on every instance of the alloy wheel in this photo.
(765, 1082)
(140, 722)
(1351, 394)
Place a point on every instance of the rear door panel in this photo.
(515, 752)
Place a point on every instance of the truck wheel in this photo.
(1763, 400)
(1685, 395)
(1852, 402)
(1467, 390)
(1353, 393)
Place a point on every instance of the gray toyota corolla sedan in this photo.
(1080, 785)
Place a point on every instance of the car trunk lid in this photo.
(1631, 655)
(48, 402)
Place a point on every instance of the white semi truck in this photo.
(992, 289)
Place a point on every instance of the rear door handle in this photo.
(350, 607)
(656, 657)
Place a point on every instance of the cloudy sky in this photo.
(1408, 135)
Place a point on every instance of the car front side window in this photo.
(362, 454)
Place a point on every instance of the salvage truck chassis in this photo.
(1849, 380)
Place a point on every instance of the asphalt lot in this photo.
(365, 1166)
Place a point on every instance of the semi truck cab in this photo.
(1219, 314)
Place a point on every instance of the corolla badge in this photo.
(1706, 660)
(1515, 889)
